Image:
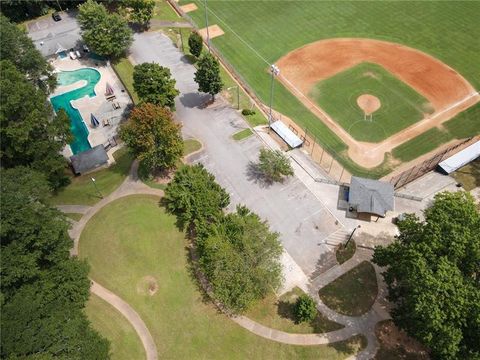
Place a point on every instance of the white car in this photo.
(72, 55)
(78, 54)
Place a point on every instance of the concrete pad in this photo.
(213, 31)
(189, 7)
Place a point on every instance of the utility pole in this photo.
(275, 71)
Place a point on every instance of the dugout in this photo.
(460, 159)
(286, 134)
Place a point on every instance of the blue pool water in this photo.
(78, 127)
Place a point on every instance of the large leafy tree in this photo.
(273, 165)
(139, 11)
(195, 44)
(31, 135)
(154, 84)
(208, 75)
(43, 289)
(241, 259)
(195, 197)
(433, 276)
(153, 137)
(106, 34)
(19, 49)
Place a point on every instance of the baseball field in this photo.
(377, 84)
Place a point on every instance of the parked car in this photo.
(85, 48)
(72, 55)
(78, 54)
(56, 16)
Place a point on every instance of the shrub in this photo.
(247, 112)
(305, 309)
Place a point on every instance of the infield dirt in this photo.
(447, 91)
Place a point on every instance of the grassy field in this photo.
(282, 26)
(124, 69)
(142, 242)
(278, 313)
(164, 12)
(242, 134)
(354, 292)
(401, 106)
(345, 253)
(81, 190)
(422, 144)
(74, 216)
(465, 124)
(124, 341)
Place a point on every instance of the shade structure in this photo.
(94, 120)
(108, 89)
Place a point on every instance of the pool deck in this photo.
(98, 105)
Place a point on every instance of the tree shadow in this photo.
(286, 310)
(194, 100)
(255, 175)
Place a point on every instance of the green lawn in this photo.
(164, 12)
(436, 28)
(278, 313)
(124, 70)
(421, 144)
(190, 146)
(242, 134)
(465, 124)
(74, 216)
(140, 240)
(401, 106)
(345, 253)
(81, 190)
(124, 341)
(354, 292)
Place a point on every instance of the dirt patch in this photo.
(447, 91)
(189, 7)
(213, 31)
(147, 286)
(368, 103)
(395, 343)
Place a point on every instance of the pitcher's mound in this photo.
(368, 103)
(213, 31)
(147, 286)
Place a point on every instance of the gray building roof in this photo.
(89, 160)
(370, 196)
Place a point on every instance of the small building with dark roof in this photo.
(89, 160)
(370, 196)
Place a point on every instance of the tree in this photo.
(43, 289)
(433, 276)
(31, 135)
(241, 259)
(139, 11)
(153, 137)
(106, 34)
(305, 309)
(195, 44)
(208, 75)
(23, 54)
(274, 165)
(154, 84)
(195, 197)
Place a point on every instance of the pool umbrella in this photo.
(94, 120)
(108, 89)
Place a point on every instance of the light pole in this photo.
(96, 188)
(275, 72)
(351, 235)
(206, 24)
(238, 95)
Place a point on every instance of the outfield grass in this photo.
(124, 341)
(433, 27)
(164, 12)
(401, 106)
(242, 134)
(354, 292)
(140, 240)
(124, 70)
(278, 313)
(465, 124)
(422, 144)
(81, 190)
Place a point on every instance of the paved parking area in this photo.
(290, 208)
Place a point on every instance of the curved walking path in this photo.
(131, 315)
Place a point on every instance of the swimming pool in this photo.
(77, 125)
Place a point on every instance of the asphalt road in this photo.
(290, 208)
